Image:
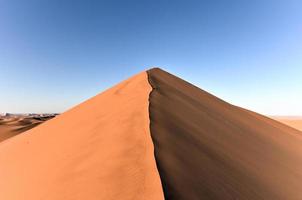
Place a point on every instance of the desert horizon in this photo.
(12, 124)
(293, 121)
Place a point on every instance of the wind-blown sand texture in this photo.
(101, 149)
(11, 126)
(295, 122)
(206, 148)
(154, 137)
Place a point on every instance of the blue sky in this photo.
(56, 53)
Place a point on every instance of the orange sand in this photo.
(99, 150)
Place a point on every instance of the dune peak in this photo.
(153, 136)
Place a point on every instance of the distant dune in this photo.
(154, 137)
(14, 125)
(295, 122)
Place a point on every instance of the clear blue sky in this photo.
(56, 53)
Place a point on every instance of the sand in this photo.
(206, 148)
(101, 149)
(11, 126)
(295, 122)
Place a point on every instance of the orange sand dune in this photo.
(154, 137)
(295, 122)
(99, 150)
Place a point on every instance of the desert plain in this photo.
(293, 121)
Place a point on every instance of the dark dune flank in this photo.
(206, 148)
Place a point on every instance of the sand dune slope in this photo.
(206, 148)
(177, 142)
(101, 149)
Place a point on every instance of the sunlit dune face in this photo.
(100, 149)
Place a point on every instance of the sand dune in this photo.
(153, 137)
(11, 126)
(206, 148)
(101, 149)
(295, 122)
